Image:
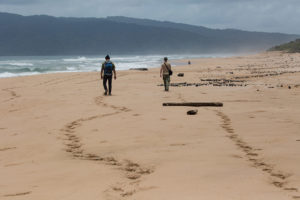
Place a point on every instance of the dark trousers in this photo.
(166, 79)
(109, 79)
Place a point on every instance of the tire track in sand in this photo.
(133, 171)
(278, 178)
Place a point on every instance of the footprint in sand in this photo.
(278, 184)
(13, 94)
(251, 153)
(132, 171)
(236, 156)
(260, 111)
(281, 176)
(7, 148)
(13, 164)
(17, 194)
(98, 100)
(267, 170)
(291, 189)
(178, 144)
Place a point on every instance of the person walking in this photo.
(166, 72)
(107, 71)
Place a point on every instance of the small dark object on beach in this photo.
(180, 74)
(192, 112)
(139, 69)
(290, 87)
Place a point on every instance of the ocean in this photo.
(13, 66)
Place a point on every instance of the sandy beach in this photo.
(61, 139)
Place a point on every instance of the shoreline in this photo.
(29, 64)
(60, 134)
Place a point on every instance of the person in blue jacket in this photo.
(107, 71)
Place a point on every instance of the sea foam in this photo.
(23, 66)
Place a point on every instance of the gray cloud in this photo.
(256, 15)
(17, 2)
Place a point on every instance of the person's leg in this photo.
(104, 84)
(167, 82)
(109, 84)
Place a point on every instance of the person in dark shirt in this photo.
(107, 71)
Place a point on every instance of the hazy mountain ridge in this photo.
(223, 33)
(46, 35)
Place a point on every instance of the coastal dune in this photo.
(61, 138)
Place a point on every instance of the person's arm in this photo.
(114, 70)
(161, 70)
(115, 74)
(102, 69)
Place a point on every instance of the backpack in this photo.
(108, 68)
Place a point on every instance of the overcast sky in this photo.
(256, 15)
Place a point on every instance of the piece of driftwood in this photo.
(195, 104)
(180, 74)
(139, 69)
(192, 112)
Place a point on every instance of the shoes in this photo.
(105, 93)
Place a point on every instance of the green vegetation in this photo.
(291, 47)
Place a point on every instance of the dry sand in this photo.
(60, 138)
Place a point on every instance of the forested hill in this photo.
(46, 35)
(291, 47)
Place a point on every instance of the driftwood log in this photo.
(139, 69)
(195, 104)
